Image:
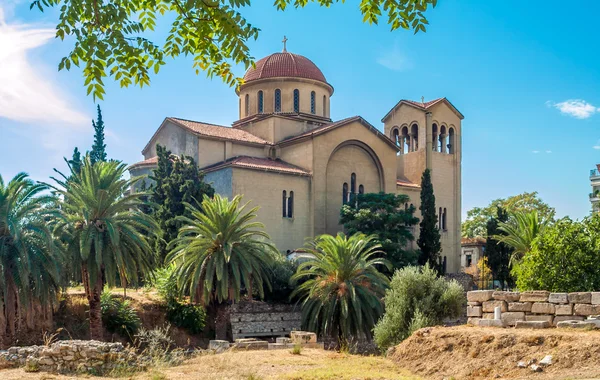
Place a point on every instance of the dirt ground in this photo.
(465, 352)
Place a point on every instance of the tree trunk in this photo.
(10, 306)
(221, 320)
(93, 292)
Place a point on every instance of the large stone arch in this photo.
(349, 157)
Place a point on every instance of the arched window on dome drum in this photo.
(324, 106)
(345, 193)
(260, 102)
(278, 100)
(451, 142)
(313, 102)
(290, 210)
(247, 105)
(296, 100)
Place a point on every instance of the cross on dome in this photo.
(284, 43)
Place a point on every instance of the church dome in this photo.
(284, 64)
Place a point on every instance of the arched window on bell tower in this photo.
(434, 137)
(451, 141)
(442, 139)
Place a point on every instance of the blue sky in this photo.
(524, 74)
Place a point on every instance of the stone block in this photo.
(473, 303)
(218, 345)
(580, 297)
(519, 306)
(474, 311)
(479, 295)
(277, 346)
(303, 337)
(563, 309)
(510, 318)
(594, 321)
(506, 296)
(489, 306)
(595, 298)
(561, 318)
(532, 325)
(473, 321)
(558, 298)
(540, 318)
(535, 296)
(576, 325)
(584, 309)
(284, 340)
(490, 323)
(251, 345)
(488, 316)
(542, 308)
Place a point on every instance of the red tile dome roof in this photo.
(284, 64)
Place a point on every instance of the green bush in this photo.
(118, 316)
(416, 298)
(281, 272)
(564, 258)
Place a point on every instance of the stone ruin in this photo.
(252, 319)
(533, 309)
(302, 338)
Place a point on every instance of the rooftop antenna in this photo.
(423, 99)
(284, 43)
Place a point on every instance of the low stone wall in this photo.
(257, 319)
(84, 356)
(534, 306)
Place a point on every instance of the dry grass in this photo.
(263, 365)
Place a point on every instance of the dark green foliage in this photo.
(177, 181)
(282, 286)
(429, 238)
(75, 162)
(385, 216)
(118, 316)
(564, 258)
(98, 152)
(417, 298)
(498, 254)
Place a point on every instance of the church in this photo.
(286, 155)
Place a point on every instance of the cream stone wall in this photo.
(265, 189)
(175, 138)
(275, 129)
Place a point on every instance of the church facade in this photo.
(286, 155)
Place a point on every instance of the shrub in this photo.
(564, 258)
(118, 316)
(281, 272)
(297, 349)
(416, 298)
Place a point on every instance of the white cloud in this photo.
(548, 151)
(577, 108)
(535, 151)
(25, 94)
(394, 59)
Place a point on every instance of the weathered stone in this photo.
(506, 296)
(283, 340)
(540, 318)
(489, 306)
(473, 303)
(535, 296)
(473, 321)
(218, 345)
(584, 309)
(490, 323)
(536, 368)
(561, 318)
(563, 309)
(558, 298)
(595, 321)
(542, 308)
(546, 361)
(532, 325)
(474, 311)
(580, 297)
(479, 295)
(251, 345)
(595, 298)
(303, 337)
(519, 306)
(510, 318)
(576, 325)
(522, 364)
(488, 316)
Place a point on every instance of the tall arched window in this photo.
(296, 100)
(284, 204)
(353, 183)
(290, 210)
(440, 219)
(414, 145)
(405, 139)
(434, 136)
(324, 106)
(444, 220)
(247, 104)
(451, 142)
(361, 189)
(313, 102)
(260, 102)
(442, 139)
(345, 193)
(278, 100)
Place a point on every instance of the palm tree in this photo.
(520, 231)
(218, 251)
(342, 288)
(30, 259)
(106, 234)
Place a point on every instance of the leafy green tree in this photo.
(498, 253)
(385, 216)
(417, 298)
(106, 233)
(429, 237)
(519, 232)
(30, 259)
(342, 289)
(563, 258)
(177, 180)
(220, 249)
(111, 38)
(477, 217)
(98, 152)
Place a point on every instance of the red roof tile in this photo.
(258, 163)
(218, 131)
(473, 241)
(152, 161)
(404, 183)
(284, 64)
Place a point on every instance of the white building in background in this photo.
(595, 194)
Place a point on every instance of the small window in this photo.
(361, 189)
(278, 100)
(290, 210)
(444, 220)
(313, 101)
(353, 183)
(260, 102)
(247, 104)
(324, 106)
(296, 100)
(440, 219)
(284, 203)
(345, 193)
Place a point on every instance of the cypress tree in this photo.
(75, 162)
(429, 238)
(98, 152)
(498, 254)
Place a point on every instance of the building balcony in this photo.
(594, 174)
